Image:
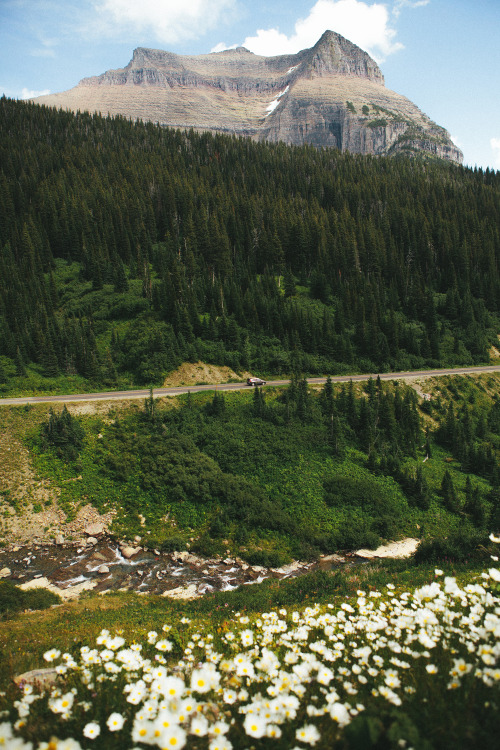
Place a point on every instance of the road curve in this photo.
(175, 391)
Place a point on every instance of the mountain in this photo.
(332, 95)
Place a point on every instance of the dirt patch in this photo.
(494, 354)
(418, 387)
(200, 373)
(29, 506)
(83, 408)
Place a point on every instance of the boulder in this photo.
(91, 541)
(332, 558)
(181, 556)
(5, 572)
(181, 592)
(37, 677)
(129, 552)
(102, 569)
(94, 529)
(99, 557)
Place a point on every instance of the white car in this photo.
(255, 381)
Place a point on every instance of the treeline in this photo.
(217, 248)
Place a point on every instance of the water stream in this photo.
(103, 564)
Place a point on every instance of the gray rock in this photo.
(129, 552)
(91, 541)
(102, 569)
(98, 556)
(333, 558)
(59, 539)
(94, 529)
(180, 556)
(5, 572)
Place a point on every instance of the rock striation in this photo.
(332, 95)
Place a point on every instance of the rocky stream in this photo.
(103, 564)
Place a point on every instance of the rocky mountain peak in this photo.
(331, 95)
(333, 54)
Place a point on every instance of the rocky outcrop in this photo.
(332, 95)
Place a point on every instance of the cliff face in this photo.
(332, 95)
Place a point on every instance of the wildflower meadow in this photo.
(386, 668)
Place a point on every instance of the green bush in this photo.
(267, 558)
(173, 544)
(208, 547)
(380, 123)
(458, 547)
(372, 503)
(13, 599)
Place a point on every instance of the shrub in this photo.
(457, 547)
(208, 547)
(13, 599)
(267, 558)
(380, 123)
(173, 544)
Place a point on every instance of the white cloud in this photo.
(367, 25)
(223, 46)
(399, 4)
(495, 145)
(31, 94)
(169, 21)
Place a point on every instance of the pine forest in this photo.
(128, 249)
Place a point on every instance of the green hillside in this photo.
(276, 474)
(126, 249)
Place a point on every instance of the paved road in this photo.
(126, 395)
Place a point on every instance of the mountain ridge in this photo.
(331, 95)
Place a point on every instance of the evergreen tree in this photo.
(449, 494)
(150, 407)
(64, 433)
(474, 505)
(259, 405)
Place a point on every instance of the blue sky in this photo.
(444, 55)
